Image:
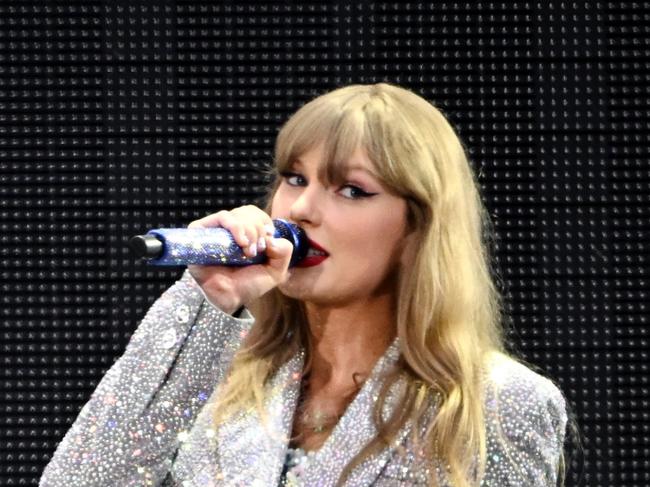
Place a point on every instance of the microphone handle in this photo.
(209, 246)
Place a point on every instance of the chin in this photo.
(315, 297)
(304, 292)
(295, 291)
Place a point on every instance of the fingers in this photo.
(249, 226)
(265, 238)
(279, 252)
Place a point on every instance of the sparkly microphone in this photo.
(209, 246)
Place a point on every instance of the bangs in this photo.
(351, 118)
(340, 131)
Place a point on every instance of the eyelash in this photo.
(360, 193)
(288, 175)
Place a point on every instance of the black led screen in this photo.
(121, 116)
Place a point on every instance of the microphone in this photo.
(209, 246)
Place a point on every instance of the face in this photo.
(357, 230)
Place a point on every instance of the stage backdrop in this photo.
(120, 116)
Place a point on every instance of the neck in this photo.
(349, 339)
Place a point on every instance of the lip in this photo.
(313, 260)
(315, 246)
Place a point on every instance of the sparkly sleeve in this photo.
(526, 419)
(128, 432)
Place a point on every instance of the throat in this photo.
(320, 407)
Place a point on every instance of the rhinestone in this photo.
(183, 313)
(168, 339)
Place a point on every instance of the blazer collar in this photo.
(355, 430)
(252, 452)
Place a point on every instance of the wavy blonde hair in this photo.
(449, 315)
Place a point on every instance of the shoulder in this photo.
(511, 381)
(525, 416)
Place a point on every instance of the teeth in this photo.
(311, 252)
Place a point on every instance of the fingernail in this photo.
(269, 229)
(253, 249)
(261, 244)
(273, 242)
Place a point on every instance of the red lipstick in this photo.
(315, 255)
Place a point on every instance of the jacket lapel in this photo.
(356, 429)
(251, 451)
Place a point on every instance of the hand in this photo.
(229, 288)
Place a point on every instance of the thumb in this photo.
(279, 252)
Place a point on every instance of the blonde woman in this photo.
(379, 360)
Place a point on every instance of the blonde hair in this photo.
(449, 315)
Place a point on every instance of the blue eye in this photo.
(293, 179)
(354, 192)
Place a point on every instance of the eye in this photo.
(353, 192)
(293, 179)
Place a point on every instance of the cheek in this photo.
(377, 243)
(385, 242)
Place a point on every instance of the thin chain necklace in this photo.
(315, 420)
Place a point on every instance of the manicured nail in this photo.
(253, 249)
(273, 242)
(269, 229)
(261, 244)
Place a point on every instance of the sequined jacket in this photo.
(148, 421)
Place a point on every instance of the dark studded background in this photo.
(120, 116)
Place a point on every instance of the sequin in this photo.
(149, 420)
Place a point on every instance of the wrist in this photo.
(230, 306)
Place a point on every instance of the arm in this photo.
(128, 432)
(526, 419)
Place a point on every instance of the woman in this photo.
(378, 361)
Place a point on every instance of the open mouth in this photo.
(315, 255)
(312, 252)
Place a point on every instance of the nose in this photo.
(307, 207)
